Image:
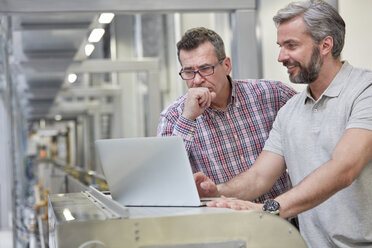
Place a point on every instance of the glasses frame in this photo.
(198, 71)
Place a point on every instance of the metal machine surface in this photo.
(86, 219)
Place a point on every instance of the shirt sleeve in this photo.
(177, 125)
(275, 139)
(361, 114)
(274, 142)
(285, 93)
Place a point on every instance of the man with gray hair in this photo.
(323, 136)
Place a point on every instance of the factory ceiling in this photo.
(46, 37)
(43, 47)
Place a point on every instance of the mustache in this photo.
(287, 63)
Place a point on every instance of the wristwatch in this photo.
(271, 206)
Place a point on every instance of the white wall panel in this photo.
(358, 18)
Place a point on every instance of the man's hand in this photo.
(206, 187)
(224, 202)
(198, 99)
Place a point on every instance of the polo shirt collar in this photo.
(337, 84)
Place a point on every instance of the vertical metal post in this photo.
(9, 95)
(246, 63)
(154, 100)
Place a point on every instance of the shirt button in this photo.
(192, 129)
(228, 116)
(242, 158)
(235, 136)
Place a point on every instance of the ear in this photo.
(326, 45)
(227, 65)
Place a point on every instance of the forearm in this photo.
(312, 191)
(242, 187)
(257, 180)
(351, 155)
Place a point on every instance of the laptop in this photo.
(150, 171)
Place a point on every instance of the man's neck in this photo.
(327, 74)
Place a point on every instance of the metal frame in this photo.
(42, 6)
(148, 65)
(119, 210)
(154, 227)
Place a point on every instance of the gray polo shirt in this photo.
(306, 132)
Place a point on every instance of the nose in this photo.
(198, 79)
(283, 55)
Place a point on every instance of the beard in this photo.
(310, 73)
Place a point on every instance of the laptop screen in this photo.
(151, 171)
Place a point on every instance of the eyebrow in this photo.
(199, 66)
(287, 41)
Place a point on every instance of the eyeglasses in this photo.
(203, 72)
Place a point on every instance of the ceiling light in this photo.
(72, 78)
(96, 35)
(89, 49)
(106, 18)
(58, 117)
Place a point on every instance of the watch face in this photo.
(271, 206)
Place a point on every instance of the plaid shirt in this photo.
(223, 144)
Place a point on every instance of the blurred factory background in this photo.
(73, 72)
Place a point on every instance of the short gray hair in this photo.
(321, 20)
(196, 36)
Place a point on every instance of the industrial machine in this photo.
(91, 218)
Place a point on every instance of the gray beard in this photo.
(309, 74)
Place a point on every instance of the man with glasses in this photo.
(224, 123)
